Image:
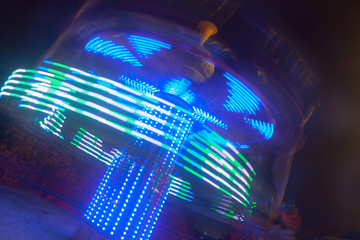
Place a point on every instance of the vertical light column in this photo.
(119, 197)
(134, 190)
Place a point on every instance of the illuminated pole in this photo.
(134, 189)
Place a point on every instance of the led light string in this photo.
(230, 159)
(145, 136)
(180, 189)
(219, 160)
(153, 99)
(216, 177)
(84, 113)
(96, 107)
(241, 98)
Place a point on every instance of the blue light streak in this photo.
(180, 87)
(145, 46)
(98, 45)
(242, 146)
(188, 96)
(177, 86)
(141, 86)
(211, 137)
(266, 129)
(203, 116)
(241, 99)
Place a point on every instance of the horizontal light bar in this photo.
(214, 185)
(214, 176)
(154, 99)
(96, 107)
(221, 163)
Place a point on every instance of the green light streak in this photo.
(119, 85)
(150, 98)
(85, 134)
(193, 172)
(89, 134)
(180, 184)
(107, 163)
(62, 66)
(240, 156)
(46, 123)
(179, 192)
(93, 142)
(104, 99)
(236, 163)
(59, 125)
(180, 180)
(106, 122)
(50, 130)
(34, 108)
(180, 188)
(115, 114)
(225, 208)
(89, 147)
(215, 167)
(28, 99)
(85, 113)
(224, 213)
(215, 177)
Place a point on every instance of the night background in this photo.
(325, 181)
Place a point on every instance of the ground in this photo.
(26, 216)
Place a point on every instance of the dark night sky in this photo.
(325, 179)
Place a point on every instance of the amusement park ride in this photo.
(173, 112)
